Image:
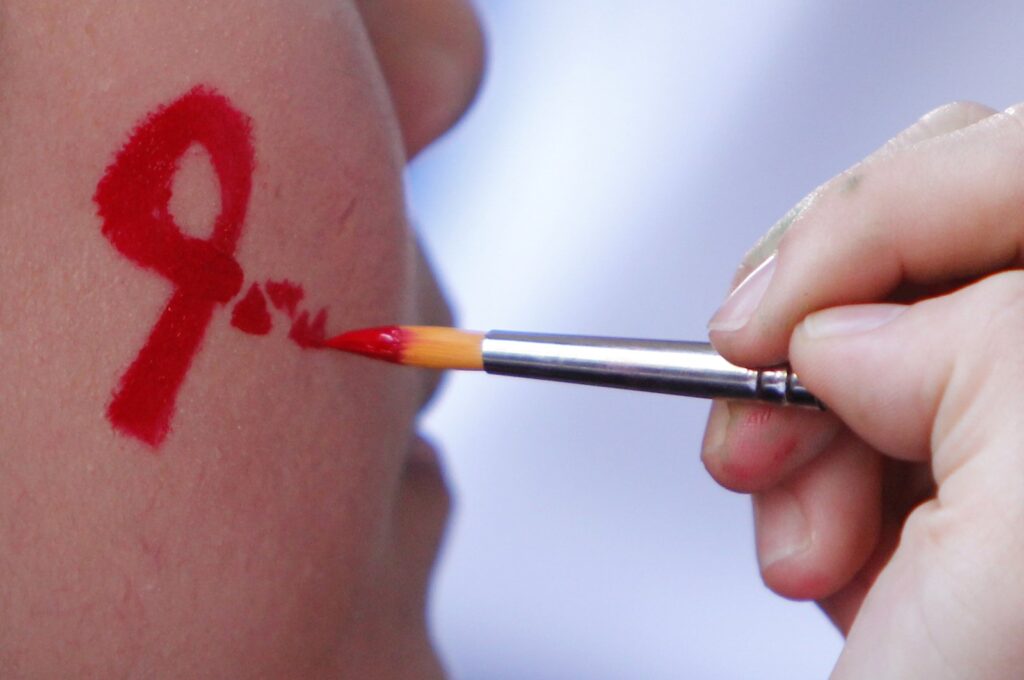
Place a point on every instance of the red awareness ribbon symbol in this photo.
(133, 198)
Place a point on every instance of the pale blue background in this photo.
(622, 156)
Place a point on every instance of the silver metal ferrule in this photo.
(690, 369)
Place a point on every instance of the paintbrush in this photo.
(691, 369)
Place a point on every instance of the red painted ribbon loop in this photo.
(133, 198)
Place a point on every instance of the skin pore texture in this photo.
(190, 194)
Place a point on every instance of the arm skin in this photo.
(281, 528)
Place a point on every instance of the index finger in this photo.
(943, 210)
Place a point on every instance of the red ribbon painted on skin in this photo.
(133, 199)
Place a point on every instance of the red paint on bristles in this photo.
(384, 342)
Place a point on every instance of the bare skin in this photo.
(896, 294)
(284, 528)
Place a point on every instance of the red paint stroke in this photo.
(310, 335)
(250, 315)
(285, 295)
(385, 342)
(133, 198)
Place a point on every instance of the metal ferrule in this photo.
(690, 369)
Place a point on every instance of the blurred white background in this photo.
(621, 158)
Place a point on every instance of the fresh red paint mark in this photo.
(133, 198)
(285, 295)
(308, 334)
(385, 342)
(758, 414)
(250, 314)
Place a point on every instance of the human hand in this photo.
(901, 511)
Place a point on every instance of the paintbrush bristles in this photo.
(423, 346)
(438, 347)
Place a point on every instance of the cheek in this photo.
(264, 507)
(327, 247)
(291, 455)
(286, 457)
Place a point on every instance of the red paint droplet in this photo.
(309, 335)
(384, 342)
(285, 295)
(250, 314)
(133, 199)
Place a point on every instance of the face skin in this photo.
(287, 523)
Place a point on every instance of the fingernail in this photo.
(718, 428)
(841, 321)
(782, 528)
(769, 243)
(741, 304)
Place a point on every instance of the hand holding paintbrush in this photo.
(894, 510)
(899, 510)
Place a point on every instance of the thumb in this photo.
(940, 381)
